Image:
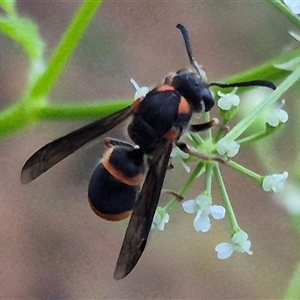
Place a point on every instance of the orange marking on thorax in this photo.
(172, 135)
(184, 106)
(164, 88)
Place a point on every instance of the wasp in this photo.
(122, 184)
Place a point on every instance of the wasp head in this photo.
(191, 86)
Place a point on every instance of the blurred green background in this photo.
(52, 245)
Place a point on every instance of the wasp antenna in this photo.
(263, 83)
(188, 47)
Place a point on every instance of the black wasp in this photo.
(158, 120)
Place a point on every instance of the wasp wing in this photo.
(141, 220)
(52, 153)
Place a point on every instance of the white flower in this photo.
(227, 101)
(178, 157)
(228, 148)
(294, 5)
(160, 219)
(277, 116)
(140, 91)
(240, 243)
(274, 182)
(202, 206)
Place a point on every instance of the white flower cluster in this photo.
(203, 208)
(202, 205)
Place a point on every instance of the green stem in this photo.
(12, 119)
(196, 139)
(200, 168)
(237, 167)
(208, 134)
(226, 200)
(282, 8)
(80, 111)
(254, 114)
(208, 179)
(64, 50)
(253, 138)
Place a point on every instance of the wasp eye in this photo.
(207, 100)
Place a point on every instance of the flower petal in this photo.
(164, 221)
(203, 201)
(140, 91)
(156, 218)
(190, 206)
(228, 148)
(247, 246)
(241, 243)
(178, 158)
(227, 101)
(217, 212)
(274, 182)
(160, 219)
(239, 237)
(277, 116)
(224, 250)
(201, 222)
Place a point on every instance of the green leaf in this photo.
(9, 6)
(26, 33)
(290, 65)
(65, 49)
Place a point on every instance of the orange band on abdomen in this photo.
(132, 181)
(110, 217)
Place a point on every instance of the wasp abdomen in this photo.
(115, 183)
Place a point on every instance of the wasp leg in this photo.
(224, 128)
(111, 142)
(204, 126)
(184, 148)
(170, 166)
(170, 192)
(214, 122)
